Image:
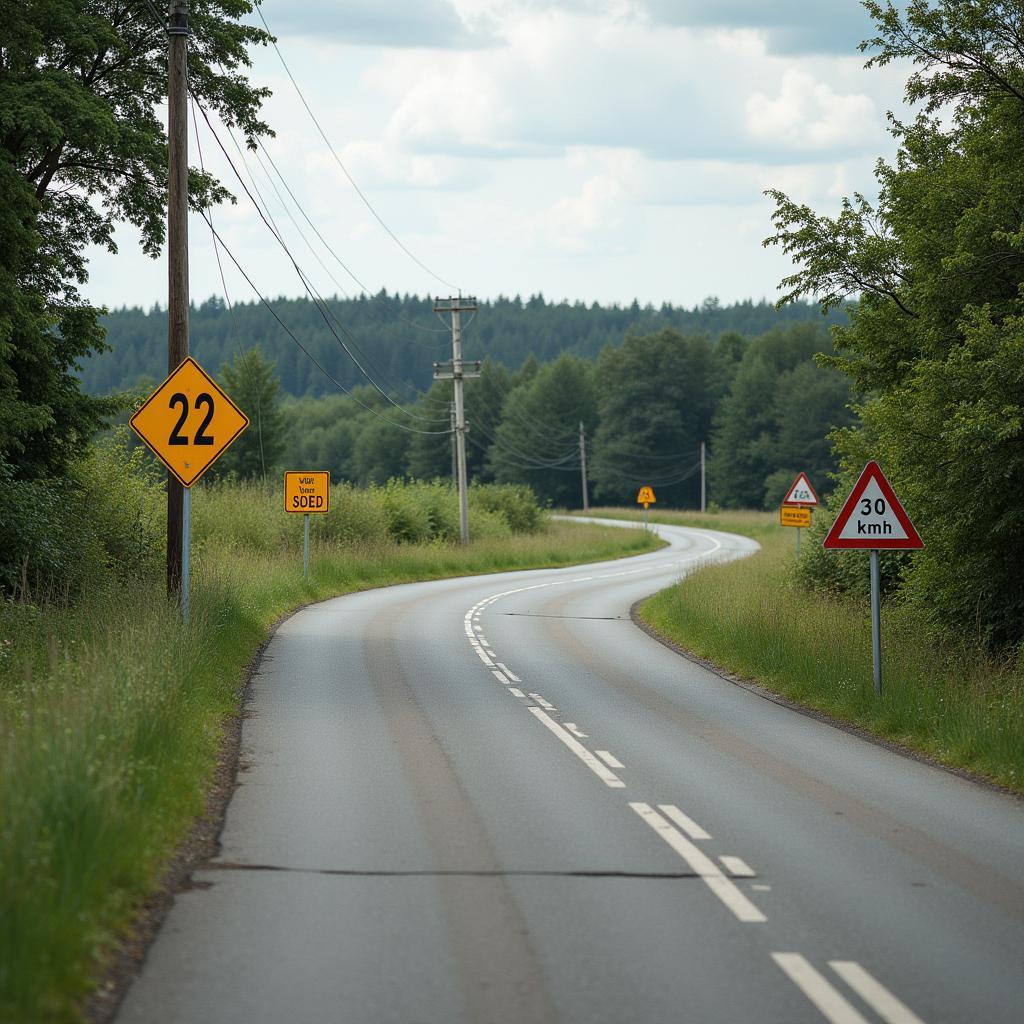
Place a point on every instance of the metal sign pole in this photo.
(186, 536)
(645, 515)
(305, 547)
(876, 624)
(798, 540)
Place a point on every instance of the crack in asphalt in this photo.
(423, 873)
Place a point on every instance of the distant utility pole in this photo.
(583, 468)
(455, 458)
(456, 372)
(703, 485)
(177, 256)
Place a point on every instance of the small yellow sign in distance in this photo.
(307, 493)
(646, 497)
(188, 422)
(793, 515)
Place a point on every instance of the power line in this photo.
(309, 355)
(318, 301)
(337, 159)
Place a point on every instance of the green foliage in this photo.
(82, 146)
(62, 536)
(514, 503)
(657, 394)
(936, 340)
(249, 380)
(537, 441)
(506, 331)
(775, 420)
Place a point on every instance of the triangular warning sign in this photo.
(801, 493)
(873, 517)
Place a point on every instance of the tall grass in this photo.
(111, 712)
(956, 706)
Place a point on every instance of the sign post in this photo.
(873, 519)
(188, 423)
(646, 498)
(801, 496)
(307, 494)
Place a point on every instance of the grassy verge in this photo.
(110, 725)
(747, 617)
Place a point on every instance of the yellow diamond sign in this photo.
(189, 422)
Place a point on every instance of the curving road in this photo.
(495, 799)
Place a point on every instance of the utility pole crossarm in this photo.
(467, 369)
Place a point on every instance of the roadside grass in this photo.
(111, 716)
(955, 706)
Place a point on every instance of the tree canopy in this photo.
(82, 147)
(936, 339)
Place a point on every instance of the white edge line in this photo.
(818, 990)
(609, 759)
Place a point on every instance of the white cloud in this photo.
(806, 114)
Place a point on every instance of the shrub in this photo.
(515, 503)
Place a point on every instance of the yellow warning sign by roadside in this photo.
(646, 497)
(307, 492)
(189, 422)
(794, 515)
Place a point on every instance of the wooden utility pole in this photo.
(583, 468)
(456, 372)
(703, 482)
(177, 254)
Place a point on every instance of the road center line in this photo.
(684, 821)
(609, 759)
(608, 777)
(818, 989)
(702, 865)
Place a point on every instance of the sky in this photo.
(594, 151)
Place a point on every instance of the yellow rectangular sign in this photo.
(307, 493)
(790, 515)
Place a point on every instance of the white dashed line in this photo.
(818, 989)
(702, 865)
(500, 677)
(737, 867)
(576, 731)
(546, 705)
(504, 668)
(609, 759)
(684, 821)
(874, 993)
(516, 693)
(608, 777)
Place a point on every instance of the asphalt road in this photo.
(497, 800)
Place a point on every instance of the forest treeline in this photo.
(762, 406)
(397, 337)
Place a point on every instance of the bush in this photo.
(515, 503)
(106, 518)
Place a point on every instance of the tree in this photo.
(775, 420)
(537, 440)
(250, 382)
(657, 394)
(81, 147)
(937, 337)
